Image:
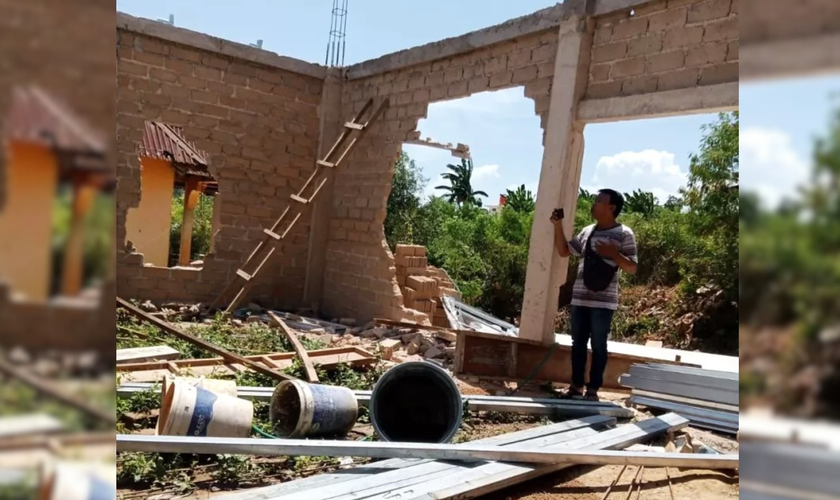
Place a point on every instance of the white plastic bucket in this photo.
(78, 481)
(191, 410)
(226, 387)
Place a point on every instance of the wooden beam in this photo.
(208, 346)
(51, 391)
(153, 353)
(516, 453)
(308, 367)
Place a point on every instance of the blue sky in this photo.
(779, 119)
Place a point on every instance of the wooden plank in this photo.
(154, 371)
(51, 391)
(208, 346)
(309, 369)
(153, 353)
(29, 424)
(520, 454)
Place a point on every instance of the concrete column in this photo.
(72, 274)
(319, 226)
(559, 181)
(191, 195)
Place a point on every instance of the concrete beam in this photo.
(542, 20)
(603, 7)
(559, 181)
(790, 58)
(709, 99)
(217, 45)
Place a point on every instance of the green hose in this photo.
(262, 432)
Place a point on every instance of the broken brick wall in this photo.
(58, 47)
(665, 45)
(360, 267)
(259, 124)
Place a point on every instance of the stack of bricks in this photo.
(422, 285)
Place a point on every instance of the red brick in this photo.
(708, 10)
(631, 28)
(683, 37)
(163, 75)
(192, 82)
(640, 85)
(732, 52)
(151, 45)
(628, 67)
(644, 45)
(650, 8)
(207, 73)
(235, 79)
(603, 34)
(149, 58)
(185, 54)
(721, 30)
(671, 18)
(684, 78)
(214, 61)
(180, 67)
(720, 73)
(132, 68)
(709, 53)
(609, 52)
(525, 74)
(604, 90)
(666, 61)
(600, 72)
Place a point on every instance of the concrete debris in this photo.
(254, 319)
(409, 338)
(238, 322)
(347, 322)
(414, 346)
(19, 356)
(148, 306)
(449, 352)
(433, 353)
(388, 347)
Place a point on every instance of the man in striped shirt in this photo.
(606, 248)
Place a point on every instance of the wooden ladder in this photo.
(244, 278)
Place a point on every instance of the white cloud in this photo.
(486, 171)
(648, 170)
(770, 166)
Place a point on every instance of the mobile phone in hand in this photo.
(558, 213)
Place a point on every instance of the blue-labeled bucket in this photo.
(192, 410)
(78, 481)
(416, 402)
(300, 410)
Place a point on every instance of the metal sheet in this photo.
(677, 389)
(804, 469)
(689, 379)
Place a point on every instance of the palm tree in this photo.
(641, 202)
(460, 189)
(520, 200)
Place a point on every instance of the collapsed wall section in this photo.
(256, 115)
(360, 271)
(664, 45)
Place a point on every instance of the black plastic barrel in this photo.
(416, 402)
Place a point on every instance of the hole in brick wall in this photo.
(499, 136)
(177, 218)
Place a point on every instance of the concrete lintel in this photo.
(797, 57)
(708, 99)
(603, 7)
(209, 43)
(542, 20)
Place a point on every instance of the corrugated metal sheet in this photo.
(37, 117)
(167, 142)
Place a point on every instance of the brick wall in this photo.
(666, 45)
(260, 126)
(361, 275)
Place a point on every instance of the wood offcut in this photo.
(308, 367)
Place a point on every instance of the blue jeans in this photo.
(589, 323)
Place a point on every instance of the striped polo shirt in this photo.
(607, 298)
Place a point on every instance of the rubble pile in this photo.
(423, 285)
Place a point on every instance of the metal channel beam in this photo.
(806, 470)
(522, 454)
(677, 389)
(690, 380)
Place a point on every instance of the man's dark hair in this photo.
(615, 199)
